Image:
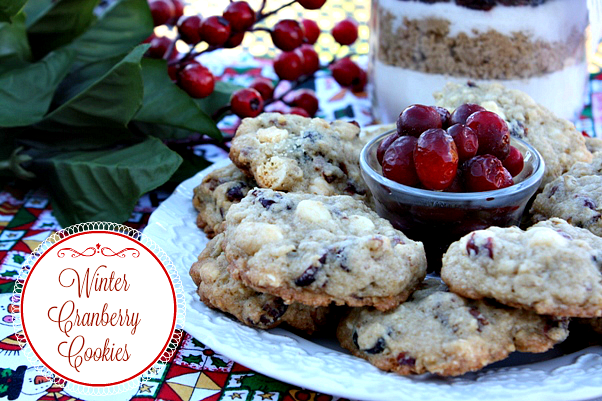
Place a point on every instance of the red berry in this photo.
(288, 66)
(384, 145)
(514, 163)
(264, 86)
(311, 60)
(312, 30)
(466, 141)
(189, 29)
(307, 100)
(287, 35)
(493, 133)
(398, 161)
(436, 159)
(345, 72)
(158, 47)
(345, 32)
(246, 102)
(178, 7)
(445, 116)
(464, 111)
(416, 119)
(485, 173)
(360, 83)
(312, 4)
(235, 39)
(197, 80)
(162, 11)
(299, 111)
(173, 71)
(215, 30)
(457, 185)
(240, 15)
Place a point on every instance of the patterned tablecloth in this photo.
(196, 372)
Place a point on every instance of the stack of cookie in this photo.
(292, 234)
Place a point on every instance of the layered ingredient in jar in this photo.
(533, 45)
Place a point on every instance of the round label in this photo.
(98, 308)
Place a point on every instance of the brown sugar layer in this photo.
(425, 45)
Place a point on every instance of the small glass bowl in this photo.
(439, 218)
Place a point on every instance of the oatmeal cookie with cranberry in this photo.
(560, 144)
(319, 250)
(552, 268)
(440, 332)
(217, 289)
(219, 190)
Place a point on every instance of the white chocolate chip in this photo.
(360, 225)
(252, 236)
(312, 211)
(544, 236)
(271, 135)
(278, 173)
(319, 186)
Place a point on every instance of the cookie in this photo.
(217, 289)
(298, 154)
(560, 144)
(552, 268)
(593, 144)
(214, 196)
(440, 332)
(320, 249)
(578, 200)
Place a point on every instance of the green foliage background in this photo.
(84, 113)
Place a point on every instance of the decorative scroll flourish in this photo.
(75, 254)
(121, 254)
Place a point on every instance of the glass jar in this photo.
(536, 46)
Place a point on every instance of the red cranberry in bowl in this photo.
(464, 111)
(493, 133)
(398, 161)
(514, 163)
(485, 173)
(384, 145)
(466, 141)
(445, 116)
(436, 159)
(416, 119)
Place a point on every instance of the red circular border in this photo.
(173, 291)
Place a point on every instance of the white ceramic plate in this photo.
(321, 365)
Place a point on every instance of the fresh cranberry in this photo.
(416, 119)
(345, 32)
(215, 30)
(436, 159)
(312, 4)
(246, 102)
(158, 47)
(179, 9)
(384, 145)
(235, 39)
(345, 72)
(311, 60)
(287, 35)
(359, 84)
(264, 86)
(240, 15)
(485, 173)
(464, 111)
(162, 11)
(466, 141)
(299, 112)
(197, 81)
(493, 133)
(173, 71)
(457, 184)
(312, 30)
(398, 161)
(514, 163)
(189, 27)
(445, 116)
(307, 100)
(288, 66)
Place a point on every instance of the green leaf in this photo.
(108, 101)
(26, 93)
(218, 363)
(193, 359)
(197, 343)
(164, 103)
(19, 259)
(123, 25)
(103, 185)
(34, 8)
(191, 165)
(10, 8)
(60, 23)
(14, 47)
(220, 97)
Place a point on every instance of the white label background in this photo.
(150, 294)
